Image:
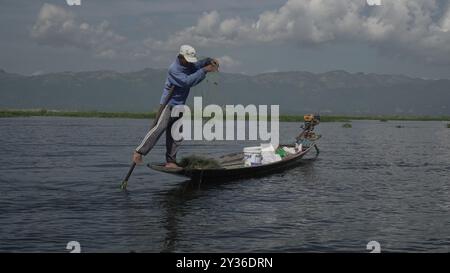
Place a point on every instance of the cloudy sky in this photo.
(410, 37)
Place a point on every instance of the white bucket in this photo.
(252, 156)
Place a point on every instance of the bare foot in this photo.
(137, 158)
(172, 165)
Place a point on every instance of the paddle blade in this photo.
(123, 185)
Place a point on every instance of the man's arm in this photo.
(180, 79)
(202, 63)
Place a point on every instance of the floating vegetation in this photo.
(399, 126)
(448, 125)
(347, 125)
(8, 113)
(75, 114)
(198, 162)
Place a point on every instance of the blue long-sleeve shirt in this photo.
(183, 78)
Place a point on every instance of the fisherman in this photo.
(185, 72)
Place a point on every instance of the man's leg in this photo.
(172, 145)
(155, 132)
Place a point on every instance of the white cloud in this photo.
(59, 28)
(209, 31)
(416, 28)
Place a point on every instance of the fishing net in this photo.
(198, 162)
(209, 88)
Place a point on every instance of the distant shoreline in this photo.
(149, 115)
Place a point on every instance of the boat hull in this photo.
(235, 173)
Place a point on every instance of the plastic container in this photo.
(299, 147)
(267, 147)
(268, 154)
(270, 157)
(252, 156)
(289, 150)
(281, 152)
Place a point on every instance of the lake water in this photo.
(60, 180)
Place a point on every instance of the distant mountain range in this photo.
(335, 92)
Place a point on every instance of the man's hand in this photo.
(210, 68)
(137, 158)
(215, 62)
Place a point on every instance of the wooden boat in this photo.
(232, 167)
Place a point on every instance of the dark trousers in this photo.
(164, 124)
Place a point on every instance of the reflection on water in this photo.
(60, 182)
(173, 204)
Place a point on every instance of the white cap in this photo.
(188, 52)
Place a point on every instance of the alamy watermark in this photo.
(74, 247)
(78, 2)
(374, 246)
(232, 122)
(373, 2)
(73, 2)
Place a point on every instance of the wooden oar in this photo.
(124, 184)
